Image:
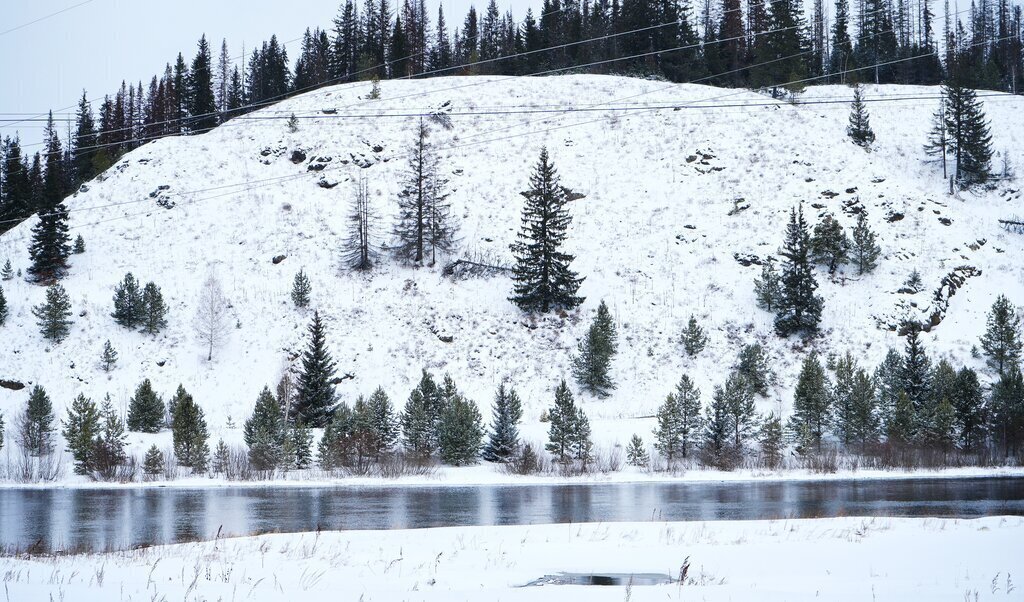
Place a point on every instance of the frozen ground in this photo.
(828, 559)
(672, 197)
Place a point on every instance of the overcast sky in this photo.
(46, 65)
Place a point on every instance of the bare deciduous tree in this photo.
(359, 252)
(211, 321)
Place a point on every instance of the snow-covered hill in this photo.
(673, 199)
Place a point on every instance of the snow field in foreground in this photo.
(826, 559)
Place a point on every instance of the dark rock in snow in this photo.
(945, 221)
(894, 216)
(746, 259)
(278, 259)
(298, 157)
(12, 385)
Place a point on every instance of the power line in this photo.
(43, 18)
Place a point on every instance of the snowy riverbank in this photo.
(491, 475)
(829, 559)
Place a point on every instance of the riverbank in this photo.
(832, 559)
(490, 474)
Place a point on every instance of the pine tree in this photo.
(35, 425)
(2, 426)
(740, 405)
(293, 124)
(580, 443)
(7, 273)
(770, 440)
(109, 446)
(915, 378)
(202, 104)
(542, 276)
(1002, 339)
(752, 365)
(221, 458)
(301, 445)
(83, 144)
(189, 433)
(562, 426)
(145, 410)
(717, 448)
(55, 314)
(864, 251)
(417, 426)
(264, 432)
(382, 422)
(50, 249)
(694, 338)
(594, 355)
(679, 422)
(109, 357)
(967, 134)
(859, 129)
(799, 308)
(864, 421)
(153, 464)
(461, 432)
(129, 309)
(503, 440)
(301, 289)
(3, 307)
(969, 410)
(636, 455)
(79, 245)
(829, 245)
(424, 224)
(1007, 403)
(314, 394)
(360, 253)
(80, 429)
(768, 288)
(901, 426)
(154, 310)
(845, 368)
(811, 401)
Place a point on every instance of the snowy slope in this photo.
(654, 238)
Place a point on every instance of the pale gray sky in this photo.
(46, 65)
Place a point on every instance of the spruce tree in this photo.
(314, 393)
(901, 427)
(1007, 404)
(109, 357)
(301, 289)
(771, 441)
(636, 455)
(334, 445)
(799, 308)
(768, 288)
(717, 448)
(503, 440)
(83, 148)
(859, 129)
(829, 245)
(969, 410)
(1, 432)
(694, 338)
(562, 426)
(679, 422)
(153, 464)
(968, 135)
(541, 274)
(752, 365)
(360, 252)
(845, 369)
(264, 432)
(202, 104)
(1002, 339)
(811, 402)
(221, 458)
(864, 251)
(129, 309)
(864, 422)
(425, 224)
(189, 433)
(594, 355)
(301, 445)
(80, 429)
(417, 426)
(145, 410)
(50, 246)
(3, 307)
(915, 378)
(740, 405)
(7, 273)
(54, 316)
(383, 422)
(109, 447)
(79, 247)
(35, 426)
(580, 443)
(461, 432)
(154, 310)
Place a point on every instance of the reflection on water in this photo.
(122, 518)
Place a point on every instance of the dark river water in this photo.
(103, 519)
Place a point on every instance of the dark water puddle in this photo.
(622, 579)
